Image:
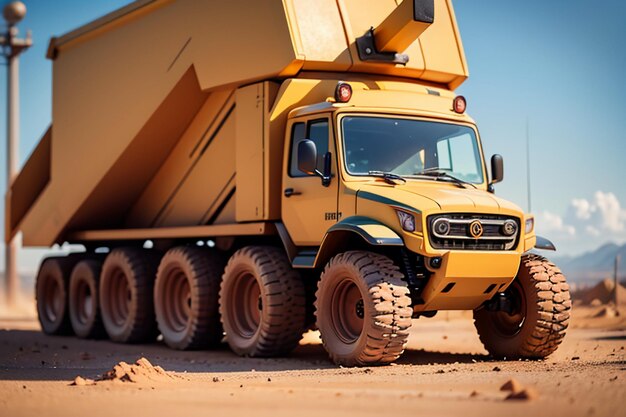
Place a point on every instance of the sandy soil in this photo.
(445, 372)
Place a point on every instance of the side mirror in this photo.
(497, 169)
(307, 161)
(307, 157)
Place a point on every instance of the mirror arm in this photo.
(326, 177)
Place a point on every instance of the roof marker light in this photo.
(343, 92)
(459, 104)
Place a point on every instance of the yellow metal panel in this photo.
(318, 27)
(27, 186)
(196, 198)
(251, 40)
(250, 229)
(473, 272)
(443, 53)
(249, 120)
(181, 159)
(273, 144)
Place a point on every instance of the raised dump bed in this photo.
(146, 108)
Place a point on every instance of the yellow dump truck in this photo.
(248, 170)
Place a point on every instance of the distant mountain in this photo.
(594, 265)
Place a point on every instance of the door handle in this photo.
(290, 191)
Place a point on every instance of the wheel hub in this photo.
(510, 318)
(360, 311)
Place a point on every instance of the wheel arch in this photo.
(355, 232)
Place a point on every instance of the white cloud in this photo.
(582, 207)
(603, 214)
(587, 223)
(552, 223)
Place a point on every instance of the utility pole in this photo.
(528, 163)
(616, 280)
(11, 48)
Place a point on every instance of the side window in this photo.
(318, 133)
(298, 132)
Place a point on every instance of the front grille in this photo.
(459, 236)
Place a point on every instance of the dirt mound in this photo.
(141, 371)
(602, 292)
(607, 311)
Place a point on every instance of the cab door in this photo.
(308, 207)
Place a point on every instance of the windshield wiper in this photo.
(438, 173)
(389, 177)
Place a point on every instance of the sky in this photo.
(555, 67)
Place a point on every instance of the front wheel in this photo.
(363, 309)
(538, 317)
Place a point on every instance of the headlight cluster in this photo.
(529, 225)
(407, 220)
(509, 228)
(442, 226)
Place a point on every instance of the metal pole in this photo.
(528, 163)
(13, 134)
(11, 48)
(616, 281)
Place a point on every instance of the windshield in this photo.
(410, 147)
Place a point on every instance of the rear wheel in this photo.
(538, 317)
(51, 292)
(262, 302)
(363, 309)
(126, 295)
(185, 298)
(84, 306)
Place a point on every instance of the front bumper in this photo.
(467, 279)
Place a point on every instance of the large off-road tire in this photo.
(262, 302)
(541, 310)
(363, 309)
(126, 295)
(186, 297)
(51, 292)
(84, 308)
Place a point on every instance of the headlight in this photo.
(407, 221)
(530, 223)
(509, 228)
(442, 226)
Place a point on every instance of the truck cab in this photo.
(412, 181)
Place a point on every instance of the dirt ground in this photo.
(444, 372)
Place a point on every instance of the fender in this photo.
(545, 244)
(369, 231)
